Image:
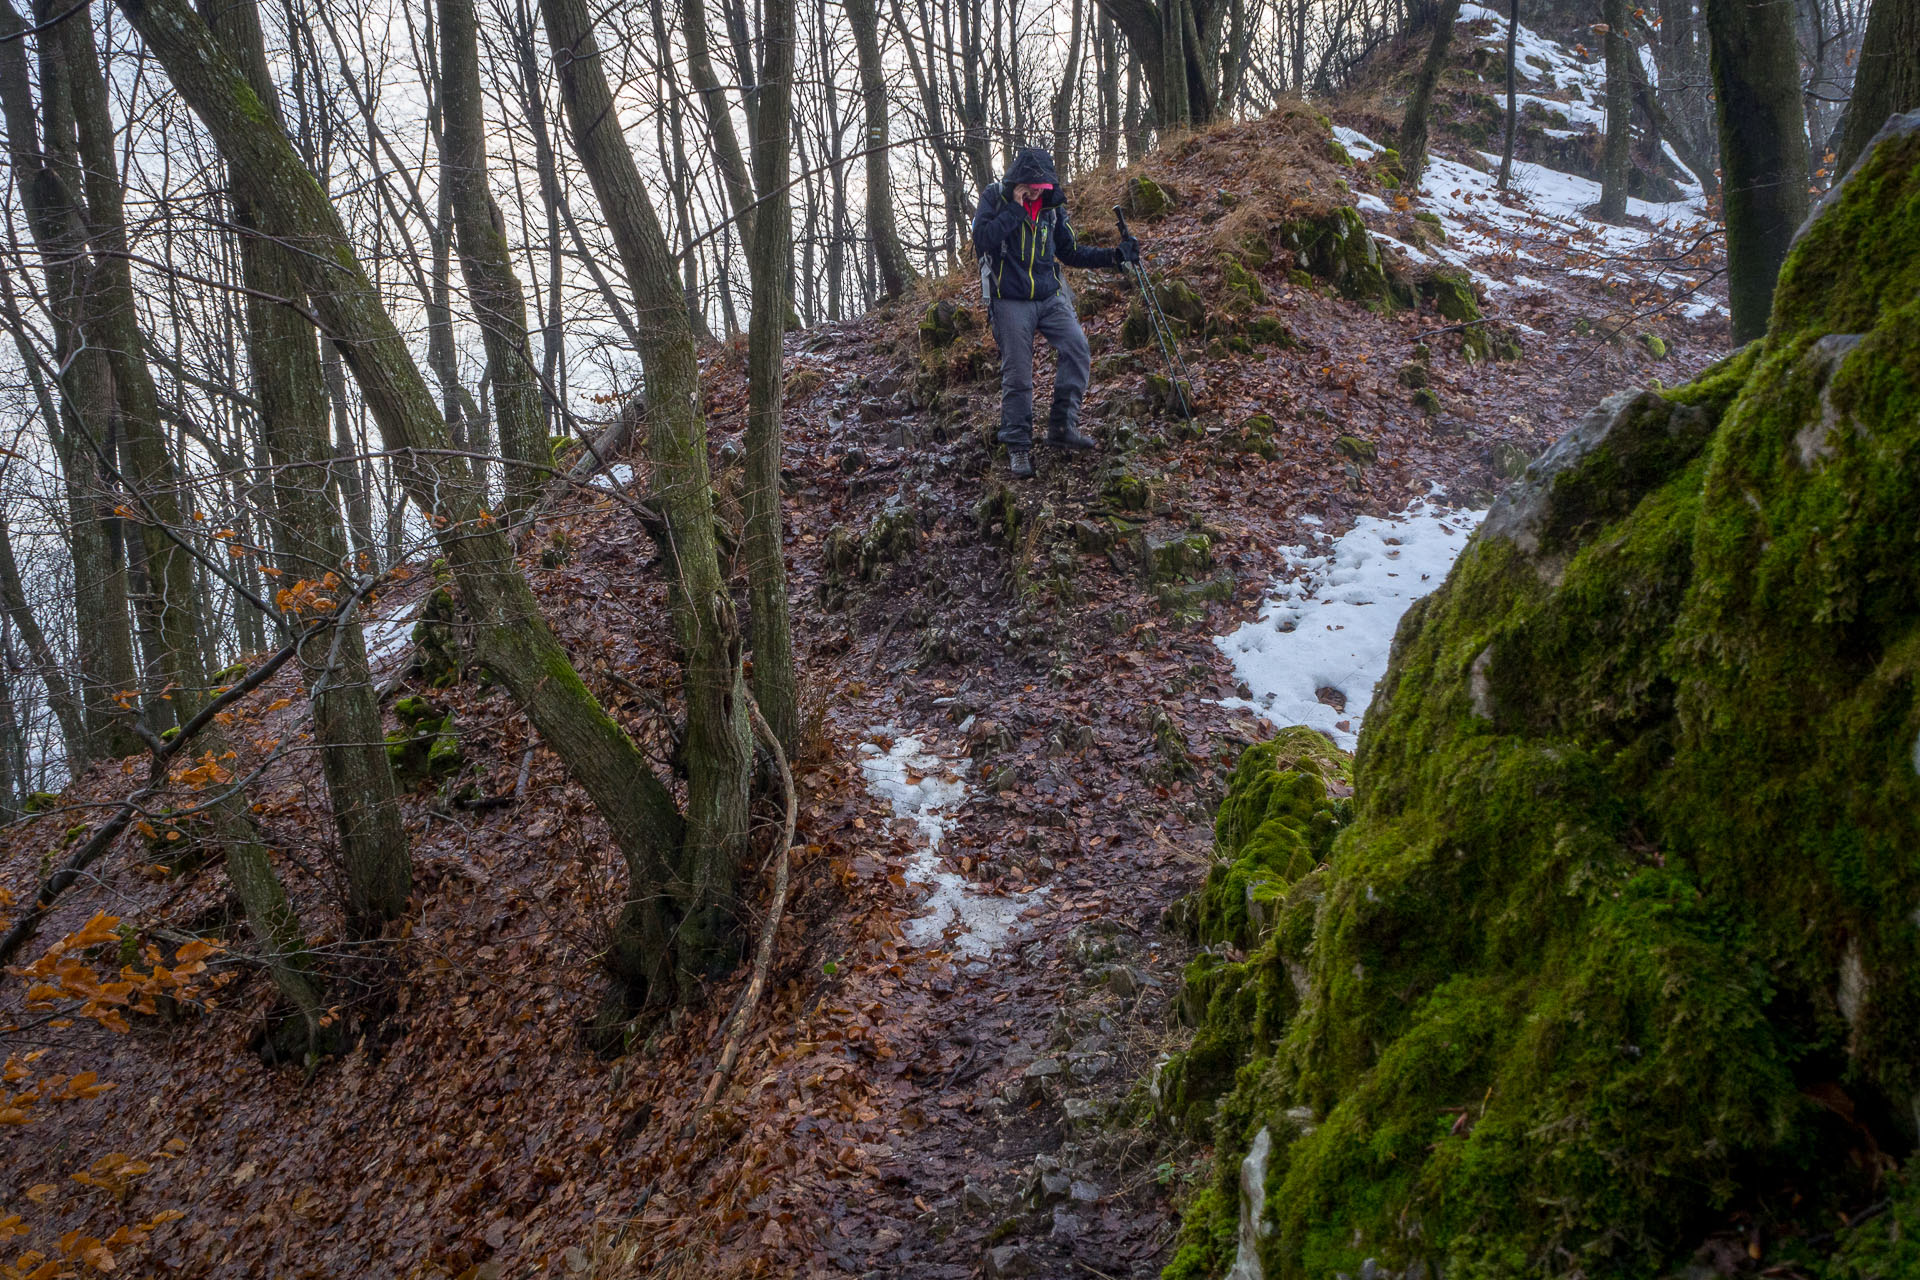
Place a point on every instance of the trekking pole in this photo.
(1162, 328)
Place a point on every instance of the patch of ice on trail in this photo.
(1329, 620)
(388, 638)
(617, 476)
(928, 790)
(1371, 203)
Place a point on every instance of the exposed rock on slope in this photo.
(1620, 952)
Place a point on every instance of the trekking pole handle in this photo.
(1121, 218)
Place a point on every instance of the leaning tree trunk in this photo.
(486, 261)
(1616, 159)
(1763, 148)
(896, 272)
(512, 638)
(713, 100)
(1887, 82)
(771, 263)
(290, 385)
(718, 747)
(1413, 127)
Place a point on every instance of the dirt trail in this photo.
(899, 1110)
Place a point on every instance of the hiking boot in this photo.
(1020, 461)
(1071, 437)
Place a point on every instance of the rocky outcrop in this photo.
(1619, 948)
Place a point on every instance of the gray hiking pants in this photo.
(1015, 325)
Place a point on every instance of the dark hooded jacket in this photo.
(1020, 258)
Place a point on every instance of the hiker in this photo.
(1022, 236)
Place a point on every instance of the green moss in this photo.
(943, 323)
(1148, 199)
(1337, 246)
(436, 641)
(1622, 921)
(1242, 288)
(1656, 345)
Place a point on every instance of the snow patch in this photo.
(388, 638)
(617, 476)
(1329, 620)
(928, 790)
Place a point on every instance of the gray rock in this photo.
(1008, 1260)
(974, 1198)
(1080, 1111)
(1043, 1069)
(1066, 1227)
(1084, 1192)
(1055, 1186)
(1088, 1067)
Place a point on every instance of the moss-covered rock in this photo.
(1620, 940)
(943, 323)
(1174, 556)
(1337, 246)
(1241, 287)
(1656, 346)
(1147, 199)
(438, 657)
(1126, 488)
(426, 746)
(892, 536)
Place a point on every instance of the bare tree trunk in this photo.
(173, 601)
(66, 708)
(1763, 148)
(718, 748)
(486, 260)
(512, 639)
(726, 142)
(1616, 161)
(1513, 112)
(1413, 127)
(1888, 80)
(896, 272)
(1063, 98)
(1136, 113)
(774, 685)
(1108, 44)
(290, 385)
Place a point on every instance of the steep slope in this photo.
(1613, 959)
(1041, 653)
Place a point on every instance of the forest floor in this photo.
(989, 667)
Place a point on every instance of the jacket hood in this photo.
(1031, 164)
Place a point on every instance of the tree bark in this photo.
(1108, 43)
(896, 272)
(1063, 99)
(1177, 45)
(290, 385)
(1763, 148)
(1513, 110)
(713, 99)
(774, 685)
(1616, 159)
(1887, 82)
(1413, 127)
(486, 261)
(718, 747)
(513, 639)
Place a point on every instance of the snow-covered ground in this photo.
(929, 790)
(1542, 219)
(1330, 619)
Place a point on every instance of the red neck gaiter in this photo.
(1033, 209)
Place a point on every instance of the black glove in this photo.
(1053, 197)
(1129, 250)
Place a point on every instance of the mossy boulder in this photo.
(1174, 556)
(1147, 199)
(1126, 488)
(892, 536)
(943, 323)
(1336, 246)
(1270, 331)
(1241, 287)
(1451, 293)
(1656, 346)
(426, 746)
(437, 654)
(1618, 953)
